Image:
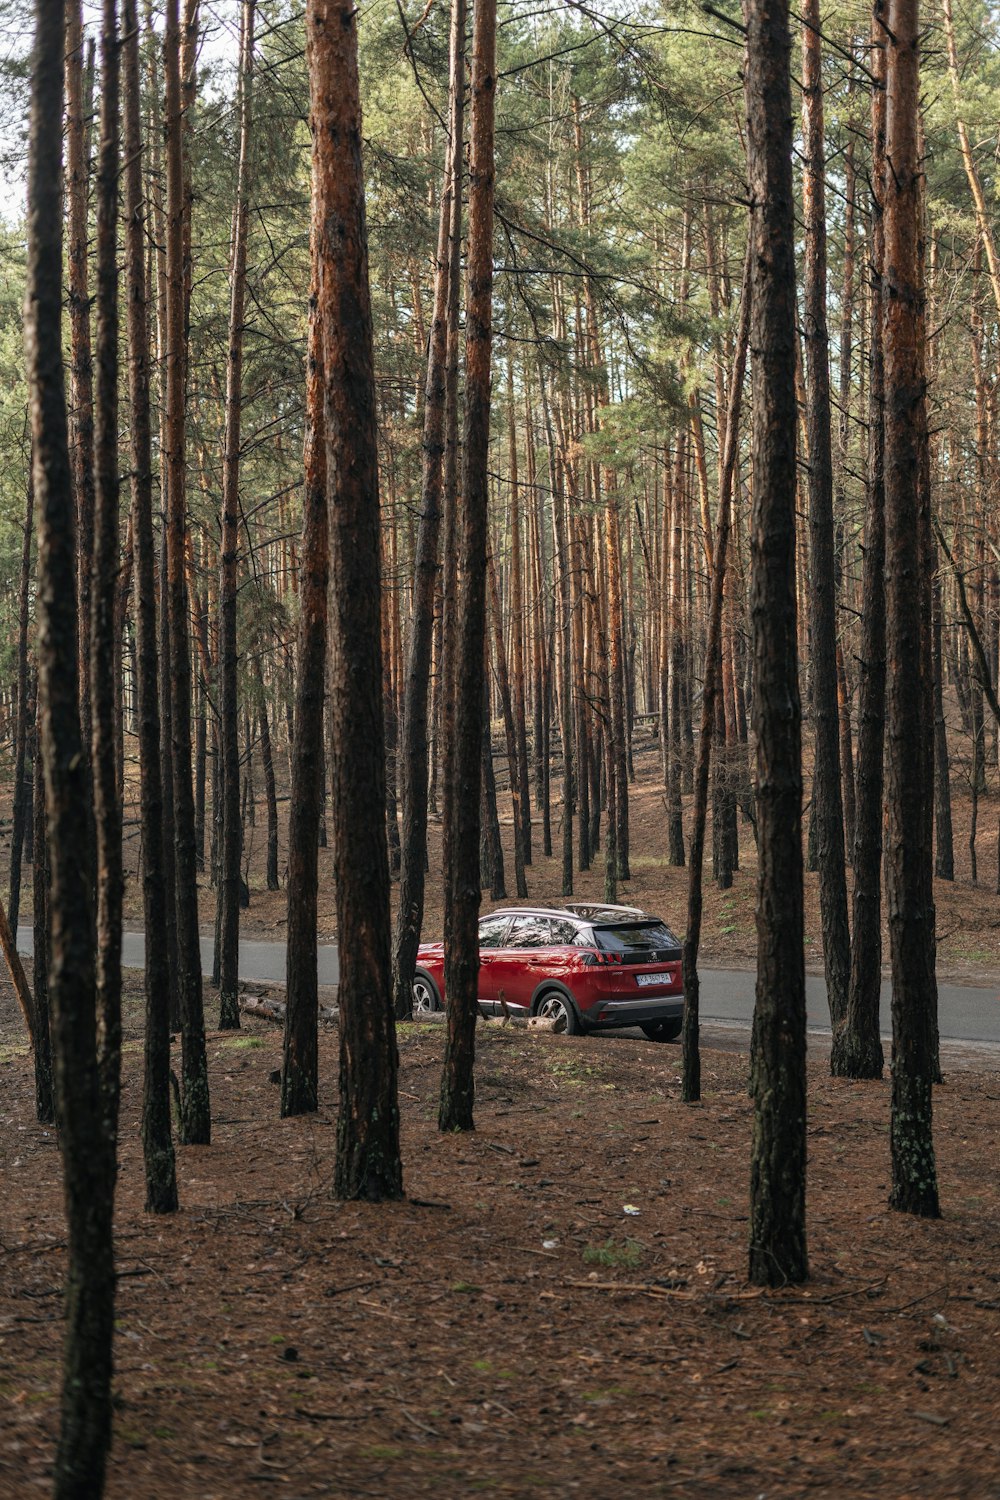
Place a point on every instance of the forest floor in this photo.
(558, 1307)
(511, 1328)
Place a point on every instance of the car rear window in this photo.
(631, 937)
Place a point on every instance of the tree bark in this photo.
(911, 922)
(232, 842)
(368, 1163)
(87, 1145)
(827, 797)
(300, 1069)
(462, 878)
(857, 1044)
(778, 1153)
(25, 712)
(196, 1126)
(157, 1142)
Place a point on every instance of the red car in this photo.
(587, 967)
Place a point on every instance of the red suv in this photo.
(587, 967)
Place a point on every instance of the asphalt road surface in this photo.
(967, 1013)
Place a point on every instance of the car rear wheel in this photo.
(556, 1007)
(663, 1031)
(425, 997)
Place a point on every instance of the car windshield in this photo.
(631, 936)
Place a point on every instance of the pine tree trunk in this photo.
(25, 714)
(45, 1104)
(778, 1153)
(857, 1044)
(462, 882)
(827, 797)
(157, 1143)
(196, 1128)
(300, 1069)
(911, 923)
(86, 1144)
(232, 843)
(367, 1163)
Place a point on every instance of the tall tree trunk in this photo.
(270, 790)
(105, 682)
(300, 1070)
(462, 878)
(25, 712)
(413, 748)
(157, 1142)
(857, 1044)
(229, 862)
(517, 626)
(827, 798)
(82, 385)
(778, 1068)
(196, 1125)
(368, 1163)
(911, 923)
(44, 1084)
(691, 1082)
(517, 789)
(944, 854)
(87, 1145)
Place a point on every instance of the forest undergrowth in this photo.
(558, 1307)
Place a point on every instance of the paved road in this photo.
(967, 1013)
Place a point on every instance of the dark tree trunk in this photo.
(857, 1044)
(491, 870)
(196, 1125)
(517, 789)
(82, 387)
(778, 1153)
(105, 680)
(691, 1082)
(232, 843)
(44, 1085)
(413, 747)
(908, 788)
(368, 1163)
(944, 853)
(167, 770)
(300, 1070)
(157, 1142)
(827, 798)
(25, 716)
(462, 878)
(270, 791)
(86, 1143)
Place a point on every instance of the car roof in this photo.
(581, 911)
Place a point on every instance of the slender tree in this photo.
(86, 1142)
(778, 1154)
(157, 1142)
(300, 1071)
(413, 747)
(368, 1162)
(828, 810)
(196, 1124)
(231, 846)
(462, 878)
(857, 1044)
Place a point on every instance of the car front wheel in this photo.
(556, 1007)
(425, 995)
(663, 1031)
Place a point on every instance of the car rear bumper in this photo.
(609, 1013)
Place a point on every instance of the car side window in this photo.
(530, 932)
(491, 931)
(563, 932)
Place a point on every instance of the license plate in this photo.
(644, 979)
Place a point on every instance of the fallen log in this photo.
(269, 1009)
